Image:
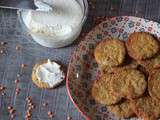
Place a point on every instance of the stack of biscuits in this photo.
(129, 83)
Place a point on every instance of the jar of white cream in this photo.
(55, 23)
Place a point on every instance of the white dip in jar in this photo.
(58, 25)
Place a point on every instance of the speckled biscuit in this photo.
(35, 80)
(128, 83)
(122, 109)
(101, 91)
(146, 108)
(154, 84)
(141, 45)
(110, 52)
(151, 64)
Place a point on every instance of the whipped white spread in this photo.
(59, 20)
(42, 5)
(50, 73)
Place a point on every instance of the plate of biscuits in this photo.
(114, 73)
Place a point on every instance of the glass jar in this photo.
(60, 40)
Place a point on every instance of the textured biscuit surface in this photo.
(129, 83)
(141, 45)
(101, 91)
(154, 84)
(146, 108)
(151, 64)
(110, 52)
(122, 109)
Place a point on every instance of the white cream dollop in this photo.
(42, 6)
(50, 73)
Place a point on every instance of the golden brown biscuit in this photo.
(151, 64)
(122, 109)
(128, 83)
(154, 84)
(101, 91)
(40, 83)
(141, 45)
(110, 52)
(146, 108)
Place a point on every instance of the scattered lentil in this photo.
(45, 104)
(16, 81)
(50, 114)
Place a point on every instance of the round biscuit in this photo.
(128, 83)
(101, 91)
(141, 45)
(110, 52)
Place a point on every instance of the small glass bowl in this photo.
(48, 41)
